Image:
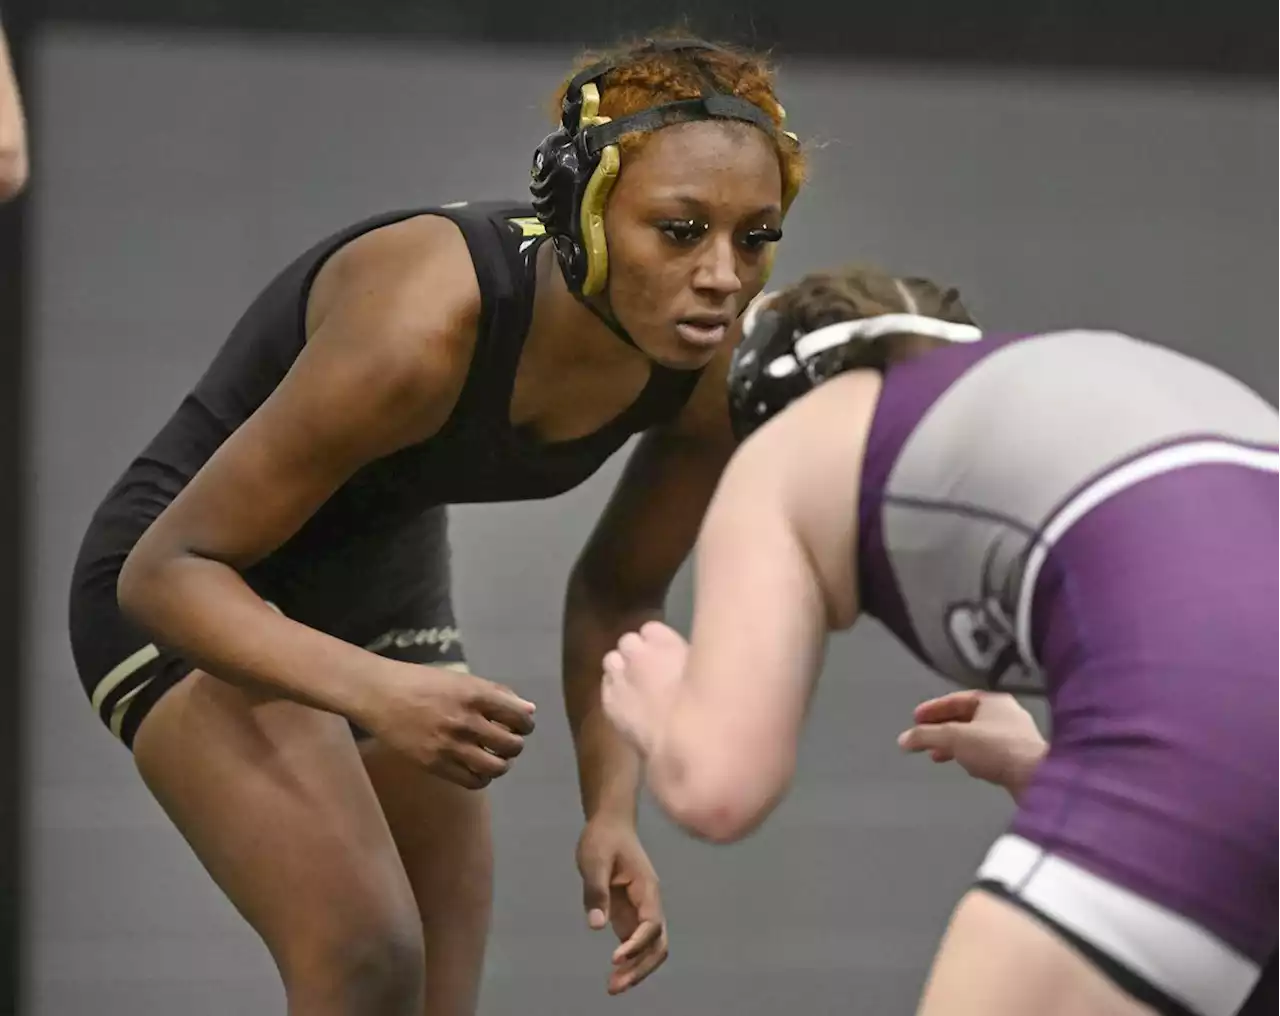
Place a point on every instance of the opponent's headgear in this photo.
(777, 362)
(576, 165)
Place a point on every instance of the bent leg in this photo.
(275, 802)
(996, 960)
(443, 834)
(441, 830)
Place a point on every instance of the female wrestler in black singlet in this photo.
(260, 609)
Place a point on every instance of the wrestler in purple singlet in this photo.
(1095, 517)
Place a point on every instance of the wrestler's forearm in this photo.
(714, 783)
(676, 755)
(223, 627)
(608, 768)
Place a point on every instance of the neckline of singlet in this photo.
(663, 382)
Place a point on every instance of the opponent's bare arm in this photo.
(720, 719)
(13, 128)
(623, 574)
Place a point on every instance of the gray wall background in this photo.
(178, 173)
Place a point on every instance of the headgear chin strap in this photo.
(576, 166)
(775, 363)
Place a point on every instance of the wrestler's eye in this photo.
(683, 231)
(755, 239)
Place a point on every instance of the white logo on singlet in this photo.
(981, 633)
(404, 638)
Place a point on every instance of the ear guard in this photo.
(575, 167)
(775, 363)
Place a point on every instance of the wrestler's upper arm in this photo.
(382, 370)
(819, 444)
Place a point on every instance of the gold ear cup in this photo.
(594, 197)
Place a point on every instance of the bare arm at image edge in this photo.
(13, 128)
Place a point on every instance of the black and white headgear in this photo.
(776, 363)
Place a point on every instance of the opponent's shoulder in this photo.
(828, 430)
(807, 464)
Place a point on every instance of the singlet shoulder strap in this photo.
(504, 238)
(501, 237)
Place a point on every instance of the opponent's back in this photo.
(981, 457)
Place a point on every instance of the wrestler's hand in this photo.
(620, 887)
(988, 733)
(459, 726)
(641, 679)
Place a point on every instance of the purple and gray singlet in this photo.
(1094, 516)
